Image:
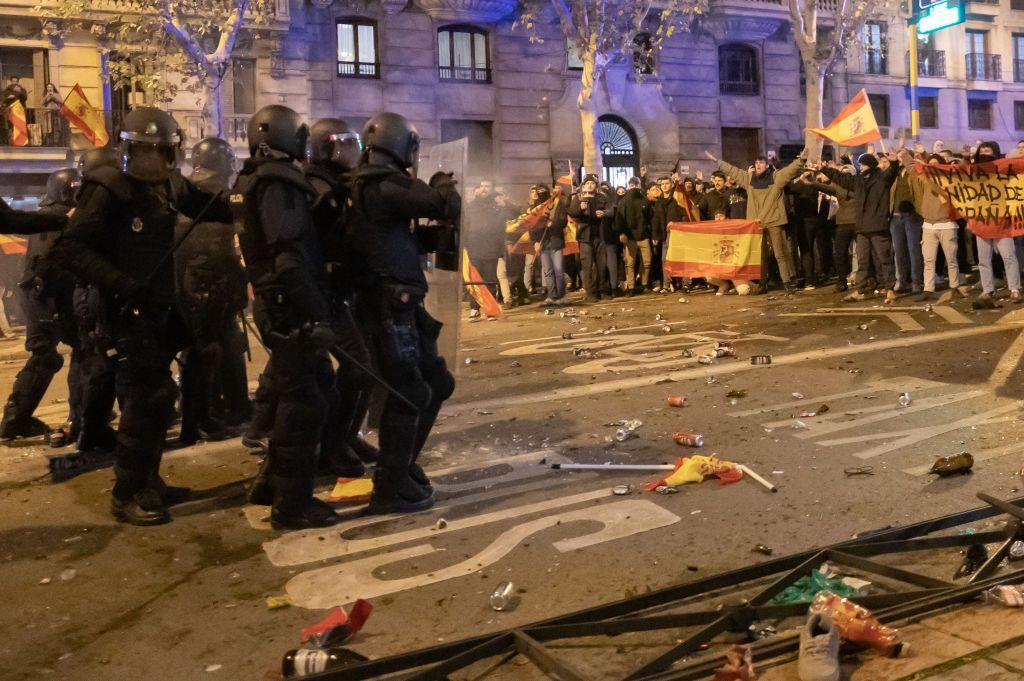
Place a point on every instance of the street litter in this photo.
(1006, 594)
(705, 359)
(566, 335)
(807, 587)
(469, 360)
(858, 470)
(666, 329)
(698, 468)
(440, 524)
(687, 352)
(665, 489)
(212, 668)
(676, 401)
(583, 353)
(974, 557)
(763, 548)
(568, 313)
(611, 467)
(622, 490)
(338, 626)
(863, 327)
(45, 580)
(719, 352)
(757, 478)
(1016, 551)
(953, 465)
(623, 434)
(503, 598)
(689, 439)
(810, 414)
(68, 574)
(351, 491)
(797, 396)
(739, 665)
(658, 317)
(711, 380)
(799, 425)
(858, 625)
(760, 359)
(736, 393)
(683, 300)
(904, 399)
(278, 602)
(548, 312)
(516, 364)
(760, 630)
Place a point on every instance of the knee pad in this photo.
(442, 384)
(301, 415)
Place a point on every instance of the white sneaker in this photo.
(473, 314)
(819, 649)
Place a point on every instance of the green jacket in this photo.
(768, 204)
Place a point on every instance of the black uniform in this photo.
(400, 332)
(211, 289)
(119, 240)
(283, 261)
(47, 306)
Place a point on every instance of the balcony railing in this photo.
(235, 126)
(875, 62)
(465, 74)
(739, 87)
(984, 66)
(931, 64)
(46, 128)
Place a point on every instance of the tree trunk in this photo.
(588, 114)
(815, 79)
(213, 112)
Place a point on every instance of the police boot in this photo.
(103, 438)
(394, 491)
(295, 507)
(340, 461)
(13, 426)
(261, 492)
(142, 508)
(170, 494)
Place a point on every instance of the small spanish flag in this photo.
(19, 124)
(470, 276)
(855, 125)
(517, 230)
(77, 109)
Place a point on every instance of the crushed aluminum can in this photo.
(928, 307)
(711, 380)
(440, 524)
(1016, 550)
(623, 434)
(470, 360)
(799, 425)
(797, 396)
(665, 489)
(761, 630)
(862, 327)
(566, 335)
(689, 439)
(622, 490)
(548, 312)
(687, 352)
(676, 401)
(723, 344)
(763, 548)
(666, 329)
(723, 352)
(760, 359)
(904, 399)
(658, 317)
(706, 359)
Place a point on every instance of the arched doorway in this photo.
(619, 153)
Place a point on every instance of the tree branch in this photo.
(179, 31)
(229, 34)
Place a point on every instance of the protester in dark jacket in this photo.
(846, 223)
(659, 230)
(807, 226)
(548, 241)
(716, 200)
(588, 210)
(633, 216)
(610, 239)
(874, 241)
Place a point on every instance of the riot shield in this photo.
(443, 298)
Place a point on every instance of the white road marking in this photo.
(733, 367)
(1007, 363)
(587, 334)
(984, 455)
(296, 548)
(950, 314)
(903, 384)
(901, 319)
(339, 584)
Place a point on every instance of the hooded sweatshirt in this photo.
(765, 200)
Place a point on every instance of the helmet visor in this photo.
(149, 162)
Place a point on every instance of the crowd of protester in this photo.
(867, 225)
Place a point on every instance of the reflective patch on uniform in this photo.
(136, 224)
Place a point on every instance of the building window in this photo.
(1016, 4)
(357, 49)
(643, 54)
(1018, 57)
(243, 85)
(1018, 115)
(875, 41)
(572, 57)
(462, 54)
(737, 70)
(880, 107)
(979, 114)
(618, 150)
(929, 109)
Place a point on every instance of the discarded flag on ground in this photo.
(697, 468)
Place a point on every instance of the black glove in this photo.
(321, 336)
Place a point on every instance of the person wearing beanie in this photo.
(870, 189)
(846, 219)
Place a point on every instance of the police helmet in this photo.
(62, 187)
(215, 156)
(150, 139)
(98, 157)
(332, 141)
(277, 128)
(392, 135)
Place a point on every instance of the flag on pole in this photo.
(77, 109)
(718, 249)
(481, 294)
(19, 124)
(563, 195)
(517, 230)
(855, 125)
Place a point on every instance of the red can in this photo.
(689, 439)
(676, 401)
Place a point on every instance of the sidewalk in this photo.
(981, 642)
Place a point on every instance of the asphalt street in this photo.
(87, 598)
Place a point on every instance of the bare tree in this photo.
(603, 30)
(818, 56)
(170, 45)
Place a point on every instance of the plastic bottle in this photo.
(857, 624)
(302, 662)
(502, 597)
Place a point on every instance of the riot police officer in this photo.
(333, 152)
(386, 199)
(120, 240)
(212, 293)
(271, 201)
(96, 372)
(47, 300)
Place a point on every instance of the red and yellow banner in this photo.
(77, 109)
(990, 196)
(518, 229)
(717, 249)
(19, 124)
(855, 125)
(481, 294)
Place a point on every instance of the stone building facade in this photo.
(459, 68)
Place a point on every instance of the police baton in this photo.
(376, 378)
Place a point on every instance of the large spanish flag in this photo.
(77, 109)
(718, 249)
(483, 296)
(19, 124)
(517, 230)
(855, 125)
